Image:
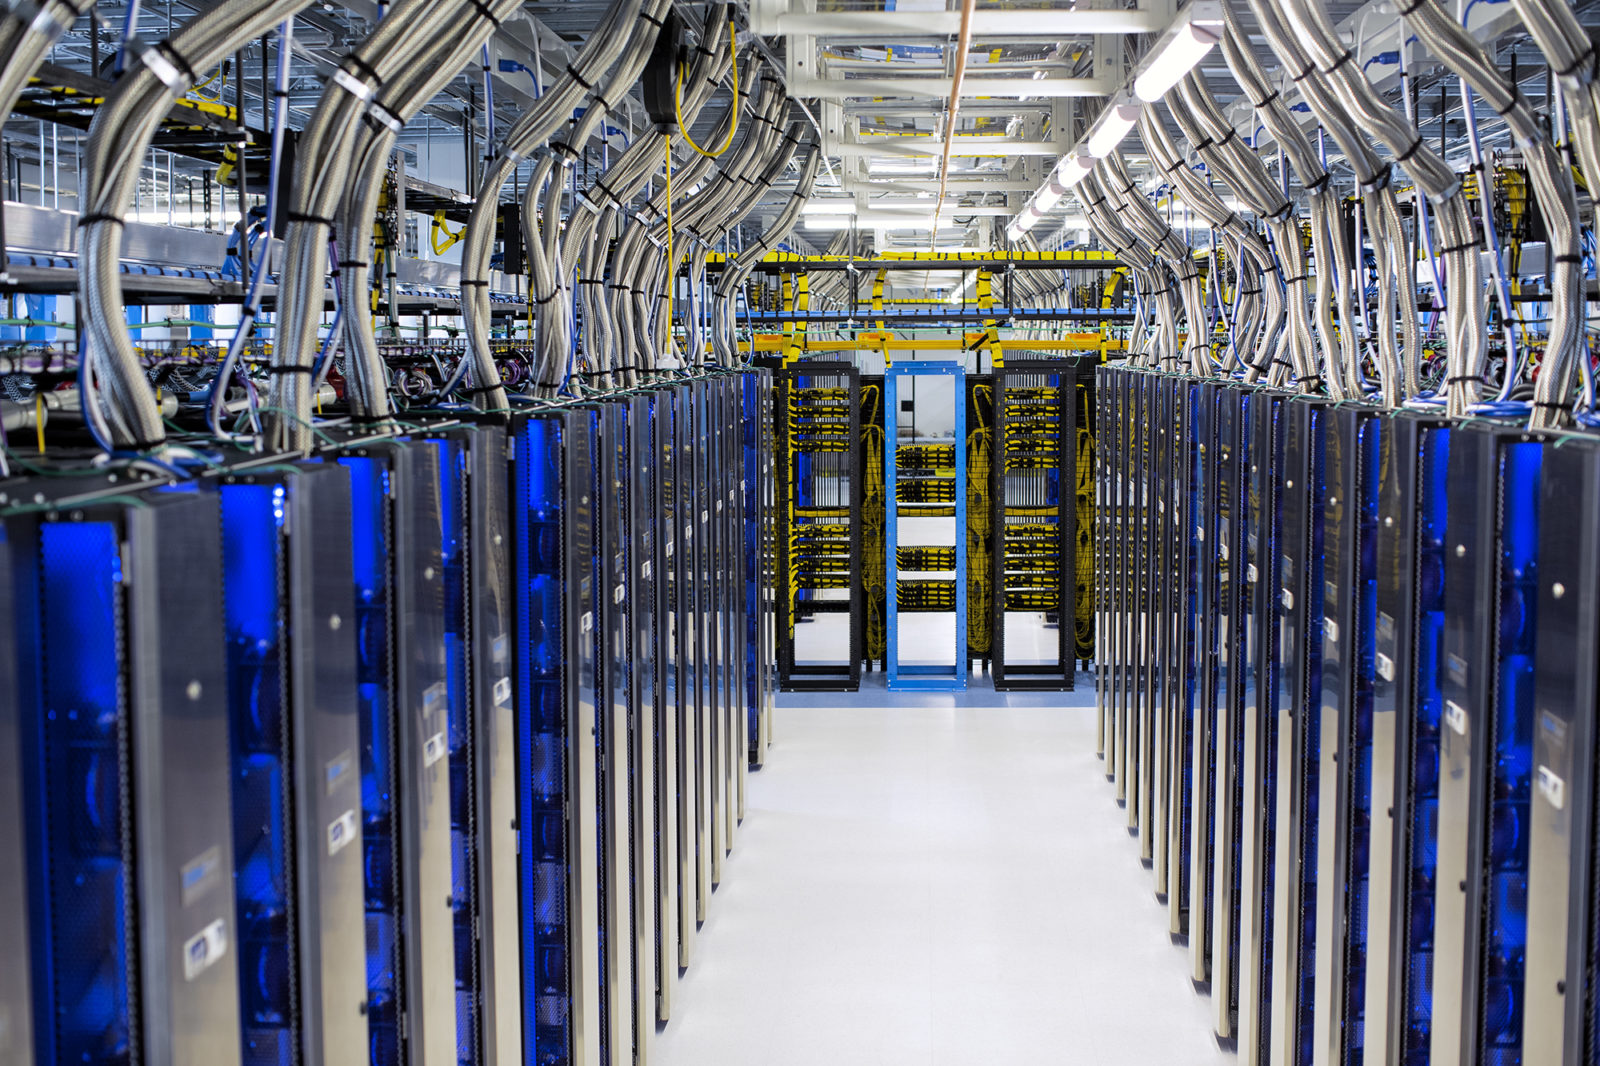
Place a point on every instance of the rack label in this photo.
(1456, 716)
(1553, 788)
(205, 949)
(341, 831)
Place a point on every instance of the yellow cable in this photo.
(677, 104)
(38, 418)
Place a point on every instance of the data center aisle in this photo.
(936, 879)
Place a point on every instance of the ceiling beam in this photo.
(965, 147)
(875, 26)
(938, 88)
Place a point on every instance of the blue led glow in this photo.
(1511, 762)
(453, 458)
(537, 507)
(1422, 796)
(369, 526)
(252, 518)
(1311, 728)
(87, 874)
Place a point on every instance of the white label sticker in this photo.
(719, 506)
(502, 691)
(644, 569)
(1456, 716)
(705, 516)
(200, 874)
(341, 831)
(1200, 533)
(586, 623)
(617, 594)
(1553, 788)
(433, 749)
(1385, 666)
(1288, 600)
(205, 949)
(1332, 629)
(669, 549)
(334, 773)
(1250, 573)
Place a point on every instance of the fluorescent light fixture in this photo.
(1114, 123)
(1074, 168)
(1046, 198)
(1194, 33)
(833, 222)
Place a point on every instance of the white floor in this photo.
(935, 879)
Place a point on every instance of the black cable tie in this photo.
(591, 281)
(1416, 6)
(541, 302)
(1512, 106)
(352, 263)
(487, 12)
(1576, 63)
(250, 310)
(1341, 61)
(1460, 378)
(1549, 405)
(278, 371)
(474, 282)
(657, 23)
(298, 216)
(1308, 71)
(1267, 100)
(89, 220)
(1314, 380)
(579, 78)
(1461, 247)
(1567, 259)
(571, 153)
(1317, 185)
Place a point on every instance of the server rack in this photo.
(1203, 700)
(1187, 409)
(124, 751)
(1233, 459)
(819, 527)
(1558, 1021)
(16, 991)
(397, 549)
(1345, 781)
(658, 637)
(727, 707)
(296, 796)
(494, 730)
(1299, 701)
(759, 519)
(1104, 459)
(1155, 787)
(1485, 749)
(1123, 430)
(474, 551)
(557, 710)
(686, 621)
(924, 490)
(1413, 456)
(1033, 497)
(613, 736)
(1136, 764)
(698, 544)
(1258, 767)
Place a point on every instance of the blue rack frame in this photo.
(926, 678)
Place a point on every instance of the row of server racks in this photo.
(1027, 496)
(417, 751)
(1347, 694)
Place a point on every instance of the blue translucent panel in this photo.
(1422, 797)
(82, 742)
(1361, 675)
(538, 580)
(1510, 780)
(370, 539)
(252, 544)
(754, 548)
(1311, 727)
(453, 457)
